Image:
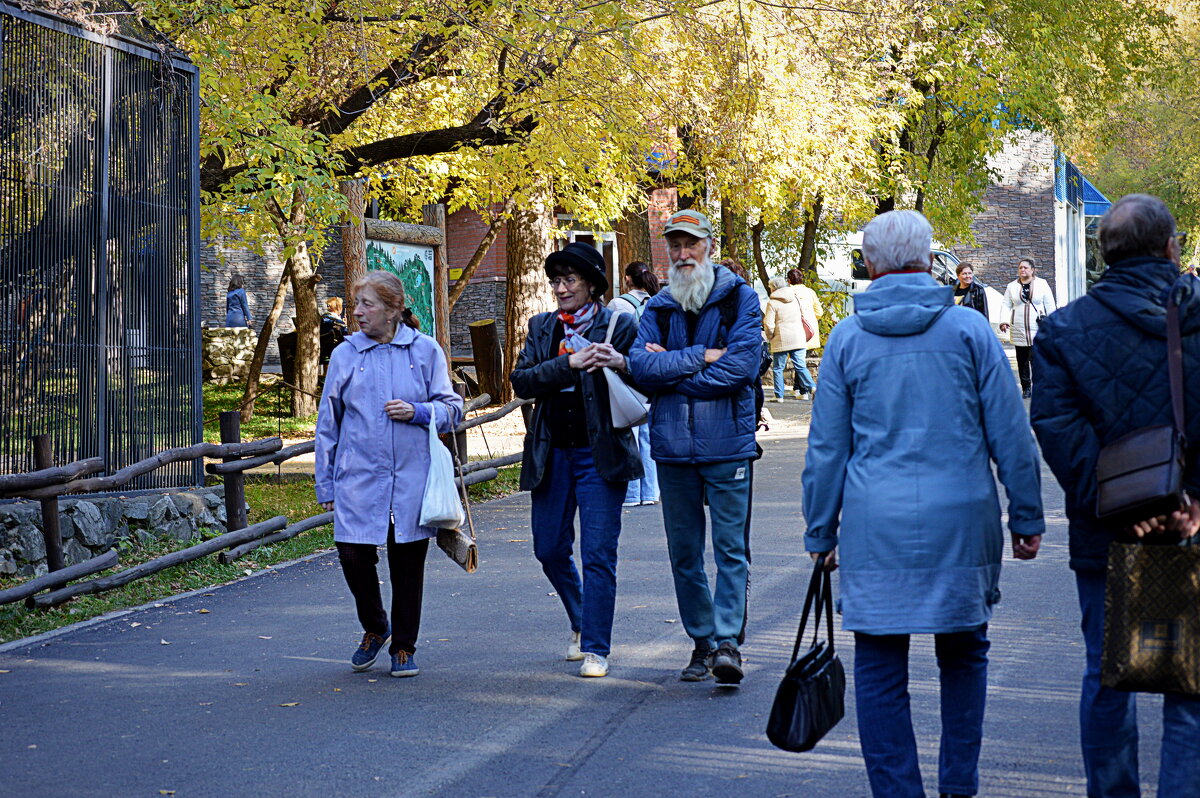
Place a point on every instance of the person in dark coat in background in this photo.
(1101, 363)
(237, 310)
(967, 292)
(574, 460)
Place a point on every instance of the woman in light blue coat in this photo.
(910, 502)
(384, 385)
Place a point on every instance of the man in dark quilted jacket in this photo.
(1102, 366)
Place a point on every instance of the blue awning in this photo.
(1094, 203)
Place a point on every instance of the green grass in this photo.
(267, 497)
(272, 411)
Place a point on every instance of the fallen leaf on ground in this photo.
(440, 640)
(670, 620)
(203, 612)
(337, 689)
(264, 637)
(641, 606)
(291, 704)
(164, 642)
(134, 625)
(166, 792)
(206, 703)
(372, 680)
(241, 684)
(5, 671)
(31, 747)
(518, 540)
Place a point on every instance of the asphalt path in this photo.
(245, 689)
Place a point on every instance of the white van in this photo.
(842, 267)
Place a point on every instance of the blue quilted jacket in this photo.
(1100, 367)
(701, 413)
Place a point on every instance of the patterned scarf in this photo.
(574, 326)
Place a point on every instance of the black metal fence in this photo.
(99, 280)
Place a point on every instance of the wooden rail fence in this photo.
(50, 481)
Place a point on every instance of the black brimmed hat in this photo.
(583, 259)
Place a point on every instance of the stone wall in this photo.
(221, 259)
(93, 525)
(1018, 216)
(483, 299)
(227, 353)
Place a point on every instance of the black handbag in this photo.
(811, 699)
(1140, 475)
(1152, 619)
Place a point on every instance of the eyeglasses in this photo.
(570, 281)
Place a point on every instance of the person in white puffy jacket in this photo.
(790, 325)
(1026, 300)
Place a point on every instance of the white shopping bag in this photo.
(440, 506)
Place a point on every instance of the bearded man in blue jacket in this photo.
(697, 352)
(916, 557)
(1104, 357)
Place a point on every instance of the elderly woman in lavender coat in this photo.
(384, 385)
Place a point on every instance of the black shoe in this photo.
(727, 664)
(1026, 393)
(697, 669)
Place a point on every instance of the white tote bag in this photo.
(440, 506)
(628, 406)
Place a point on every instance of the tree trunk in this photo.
(530, 240)
(354, 245)
(729, 248)
(812, 221)
(756, 247)
(264, 340)
(633, 237)
(308, 333)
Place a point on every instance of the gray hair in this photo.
(776, 283)
(1137, 225)
(897, 240)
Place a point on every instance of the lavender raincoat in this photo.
(367, 464)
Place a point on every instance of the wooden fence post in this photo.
(460, 438)
(235, 484)
(43, 457)
(489, 360)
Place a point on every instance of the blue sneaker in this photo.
(404, 665)
(368, 650)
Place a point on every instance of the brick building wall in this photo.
(1018, 216)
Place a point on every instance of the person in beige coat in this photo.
(790, 324)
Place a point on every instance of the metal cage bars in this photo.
(99, 281)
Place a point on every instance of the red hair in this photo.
(390, 291)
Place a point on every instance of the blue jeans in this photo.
(709, 617)
(885, 721)
(799, 363)
(571, 483)
(646, 488)
(1108, 720)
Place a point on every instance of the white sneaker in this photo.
(593, 665)
(573, 652)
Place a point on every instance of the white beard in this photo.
(691, 287)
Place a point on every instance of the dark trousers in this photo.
(406, 564)
(885, 719)
(1025, 366)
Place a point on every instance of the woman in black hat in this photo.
(574, 459)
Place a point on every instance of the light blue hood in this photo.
(902, 304)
